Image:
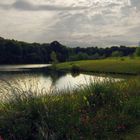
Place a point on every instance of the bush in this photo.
(75, 68)
(117, 54)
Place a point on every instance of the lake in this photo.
(21, 77)
(21, 67)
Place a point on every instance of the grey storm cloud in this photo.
(25, 5)
(136, 3)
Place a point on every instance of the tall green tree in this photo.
(117, 54)
(137, 51)
(54, 59)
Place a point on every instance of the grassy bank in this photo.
(98, 111)
(112, 65)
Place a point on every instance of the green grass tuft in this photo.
(99, 111)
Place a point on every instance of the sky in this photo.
(72, 22)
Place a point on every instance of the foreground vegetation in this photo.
(98, 111)
(112, 65)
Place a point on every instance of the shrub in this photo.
(75, 68)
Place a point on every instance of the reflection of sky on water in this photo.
(73, 82)
(40, 82)
(21, 67)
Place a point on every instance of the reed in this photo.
(100, 110)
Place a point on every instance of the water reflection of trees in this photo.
(54, 75)
(75, 74)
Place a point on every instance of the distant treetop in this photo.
(1, 38)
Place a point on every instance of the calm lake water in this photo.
(21, 67)
(20, 77)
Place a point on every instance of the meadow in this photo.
(120, 65)
(101, 111)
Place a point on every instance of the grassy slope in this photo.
(125, 66)
(99, 111)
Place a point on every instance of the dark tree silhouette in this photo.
(18, 52)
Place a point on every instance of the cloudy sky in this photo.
(72, 22)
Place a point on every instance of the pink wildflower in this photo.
(1, 138)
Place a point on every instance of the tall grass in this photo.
(99, 111)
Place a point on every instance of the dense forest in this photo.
(18, 52)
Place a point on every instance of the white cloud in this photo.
(96, 22)
(32, 6)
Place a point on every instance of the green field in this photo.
(112, 65)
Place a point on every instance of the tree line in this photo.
(18, 52)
